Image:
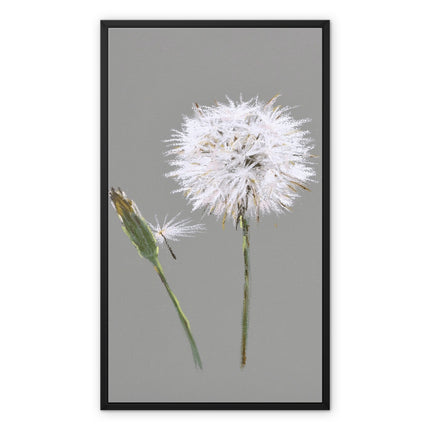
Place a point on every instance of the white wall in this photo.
(49, 136)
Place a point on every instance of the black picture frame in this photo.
(104, 207)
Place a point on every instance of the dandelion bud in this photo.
(140, 234)
(134, 225)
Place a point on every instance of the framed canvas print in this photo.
(215, 215)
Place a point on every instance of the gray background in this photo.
(154, 77)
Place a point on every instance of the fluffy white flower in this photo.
(241, 159)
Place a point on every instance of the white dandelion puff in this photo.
(241, 159)
(173, 230)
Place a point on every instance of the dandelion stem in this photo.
(245, 246)
(182, 317)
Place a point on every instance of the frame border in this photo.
(105, 25)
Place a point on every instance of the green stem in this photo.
(182, 317)
(245, 246)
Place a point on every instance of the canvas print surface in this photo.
(215, 163)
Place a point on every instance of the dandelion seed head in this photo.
(245, 158)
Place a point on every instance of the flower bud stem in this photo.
(182, 317)
(245, 246)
